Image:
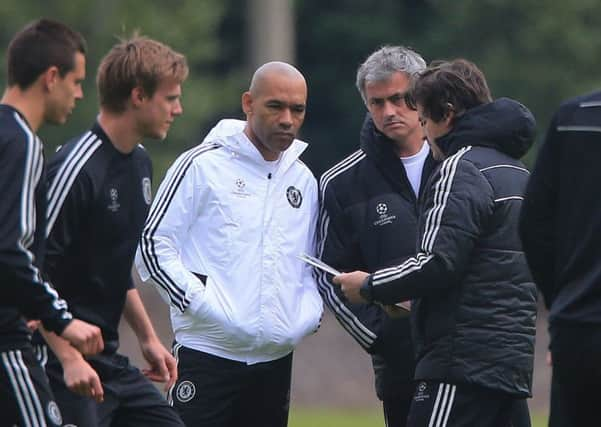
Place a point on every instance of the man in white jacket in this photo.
(221, 245)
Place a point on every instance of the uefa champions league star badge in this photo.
(294, 196)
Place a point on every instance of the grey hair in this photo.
(384, 62)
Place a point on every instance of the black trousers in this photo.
(130, 399)
(396, 408)
(576, 354)
(216, 392)
(26, 397)
(460, 405)
(557, 416)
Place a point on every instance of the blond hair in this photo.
(136, 62)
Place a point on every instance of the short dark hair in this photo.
(446, 86)
(38, 46)
(138, 61)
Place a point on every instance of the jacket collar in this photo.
(380, 150)
(230, 134)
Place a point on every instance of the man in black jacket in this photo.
(45, 68)
(560, 229)
(474, 303)
(99, 197)
(368, 217)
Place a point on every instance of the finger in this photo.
(153, 375)
(97, 392)
(172, 367)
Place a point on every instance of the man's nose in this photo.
(179, 109)
(389, 109)
(286, 118)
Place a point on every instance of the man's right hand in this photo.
(82, 379)
(84, 337)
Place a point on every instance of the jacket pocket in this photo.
(202, 277)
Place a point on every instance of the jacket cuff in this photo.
(367, 289)
(58, 323)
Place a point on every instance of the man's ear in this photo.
(50, 77)
(247, 103)
(137, 96)
(450, 118)
(449, 114)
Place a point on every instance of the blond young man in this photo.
(99, 196)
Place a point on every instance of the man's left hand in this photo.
(350, 283)
(163, 367)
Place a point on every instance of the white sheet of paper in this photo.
(317, 263)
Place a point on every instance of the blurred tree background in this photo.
(537, 51)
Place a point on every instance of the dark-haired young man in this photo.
(99, 196)
(45, 68)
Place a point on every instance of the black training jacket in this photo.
(475, 308)
(561, 217)
(22, 226)
(368, 219)
(98, 199)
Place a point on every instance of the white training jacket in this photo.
(226, 217)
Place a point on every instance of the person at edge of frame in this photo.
(45, 69)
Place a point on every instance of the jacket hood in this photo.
(225, 127)
(230, 134)
(504, 124)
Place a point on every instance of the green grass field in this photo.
(304, 417)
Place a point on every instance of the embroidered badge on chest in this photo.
(383, 217)
(240, 188)
(114, 205)
(294, 196)
(146, 190)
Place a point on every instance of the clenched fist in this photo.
(84, 337)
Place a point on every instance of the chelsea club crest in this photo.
(146, 190)
(294, 196)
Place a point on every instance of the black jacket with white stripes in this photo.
(98, 199)
(561, 217)
(22, 225)
(474, 304)
(368, 220)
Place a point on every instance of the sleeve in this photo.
(21, 171)
(537, 216)
(458, 209)
(339, 248)
(171, 214)
(69, 201)
(309, 278)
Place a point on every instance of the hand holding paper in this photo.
(350, 283)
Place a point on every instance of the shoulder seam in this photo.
(75, 161)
